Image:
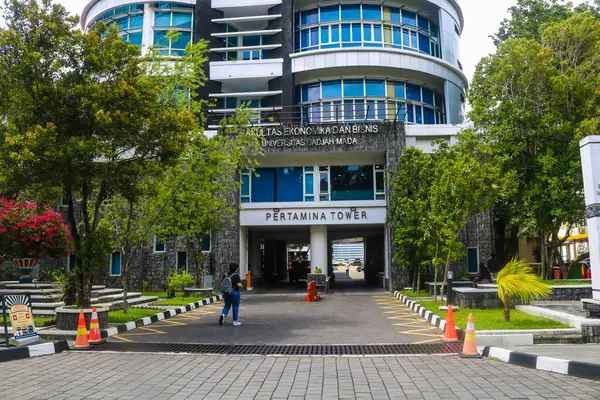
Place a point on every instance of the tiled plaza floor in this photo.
(167, 376)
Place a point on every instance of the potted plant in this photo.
(30, 231)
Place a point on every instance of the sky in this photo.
(482, 19)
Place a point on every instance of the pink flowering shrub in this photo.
(30, 230)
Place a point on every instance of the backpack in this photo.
(227, 285)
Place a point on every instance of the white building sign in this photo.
(313, 216)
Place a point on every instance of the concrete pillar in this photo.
(318, 247)
(255, 256)
(243, 251)
(590, 162)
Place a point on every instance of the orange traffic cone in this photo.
(95, 335)
(470, 346)
(450, 330)
(81, 342)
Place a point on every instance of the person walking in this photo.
(230, 289)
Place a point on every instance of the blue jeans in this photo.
(232, 300)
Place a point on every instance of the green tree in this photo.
(130, 220)
(528, 16)
(85, 116)
(534, 101)
(517, 280)
(198, 194)
(409, 211)
(464, 185)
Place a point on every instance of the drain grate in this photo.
(292, 350)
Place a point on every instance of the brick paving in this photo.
(167, 376)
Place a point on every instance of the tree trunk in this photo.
(414, 282)
(544, 256)
(445, 277)
(506, 312)
(418, 280)
(435, 273)
(125, 283)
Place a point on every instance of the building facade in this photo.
(337, 89)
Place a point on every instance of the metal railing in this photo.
(316, 113)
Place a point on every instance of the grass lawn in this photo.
(420, 293)
(119, 317)
(39, 321)
(178, 300)
(494, 319)
(559, 282)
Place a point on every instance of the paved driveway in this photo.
(287, 319)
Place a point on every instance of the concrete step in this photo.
(112, 298)
(39, 285)
(39, 312)
(45, 298)
(30, 291)
(47, 306)
(131, 302)
(106, 292)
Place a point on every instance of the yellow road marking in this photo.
(416, 332)
(188, 317)
(123, 339)
(411, 323)
(427, 341)
(173, 323)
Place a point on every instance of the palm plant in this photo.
(517, 280)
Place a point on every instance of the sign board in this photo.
(313, 216)
(21, 318)
(330, 135)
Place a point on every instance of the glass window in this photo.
(353, 88)
(162, 18)
(350, 11)
(372, 12)
(324, 34)
(182, 20)
(356, 33)
(379, 182)
(413, 92)
(135, 38)
(136, 21)
(309, 184)
(115, 263)
(409, 18)
(305, 38)
(160, 39)
(332, 89)
(394, 14)
(324, 182)
(330, 13)
(424, 43)
(423, 23)
(367, 32)
(427, 96)
(375, 88)
(182, 261)
(263, 184)
(314, 37)
(377, 33)
(205, 243)
(439, 101)
(159, 245)
(289, 185)
(245, 185)
(309, 16)
(396, 35)
(335, 33)
(346, 32)
(419, 114)
(354, 182)
(428, 116)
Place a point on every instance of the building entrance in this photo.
(352, 256)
